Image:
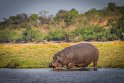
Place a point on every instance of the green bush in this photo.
(4, 36)
(10, 36)
(15, 36)
(32, 34)
(95, 33)
(56, 34)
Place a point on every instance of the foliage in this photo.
(44, 20)
(67, 25)
(56, 34)
(95, 33)
(111, 7)
(16, 36)
(4, 36)
(71, 16)
(32, 34)
(62, 14)
(10, 36)
(34, 17)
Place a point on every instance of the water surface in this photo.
(111, 75)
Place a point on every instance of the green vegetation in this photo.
(55, 34)
(40, 55)
(32, 34)
(67, 25)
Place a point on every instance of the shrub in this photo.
(56, 34)
(32, 34)
(95, 32)
(4, 36)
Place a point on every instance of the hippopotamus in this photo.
(80, 55)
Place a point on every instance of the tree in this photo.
(14, 20)
(62, 14)
(33, 20)
(118, 29)
(91, 12)
(71, 16)
(34, 17)
(73, 12)
(44, 20)
(23, 17)
(111, 6)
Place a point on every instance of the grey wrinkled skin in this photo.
(80, 55)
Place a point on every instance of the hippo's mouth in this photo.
(50, 65)
(56, 68)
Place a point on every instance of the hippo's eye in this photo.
(54, 58)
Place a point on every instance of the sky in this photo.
(13, 7)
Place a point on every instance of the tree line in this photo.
(67, 25)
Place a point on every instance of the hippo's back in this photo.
(83, 52)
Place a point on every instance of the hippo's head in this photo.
(55, 64)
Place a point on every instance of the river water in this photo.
(110, 75)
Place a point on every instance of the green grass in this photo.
(39, 55)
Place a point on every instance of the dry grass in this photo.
(39, 55)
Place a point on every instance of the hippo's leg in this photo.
(69, 65)
(84, 66)
(95, 65)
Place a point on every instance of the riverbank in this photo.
(31, 55)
